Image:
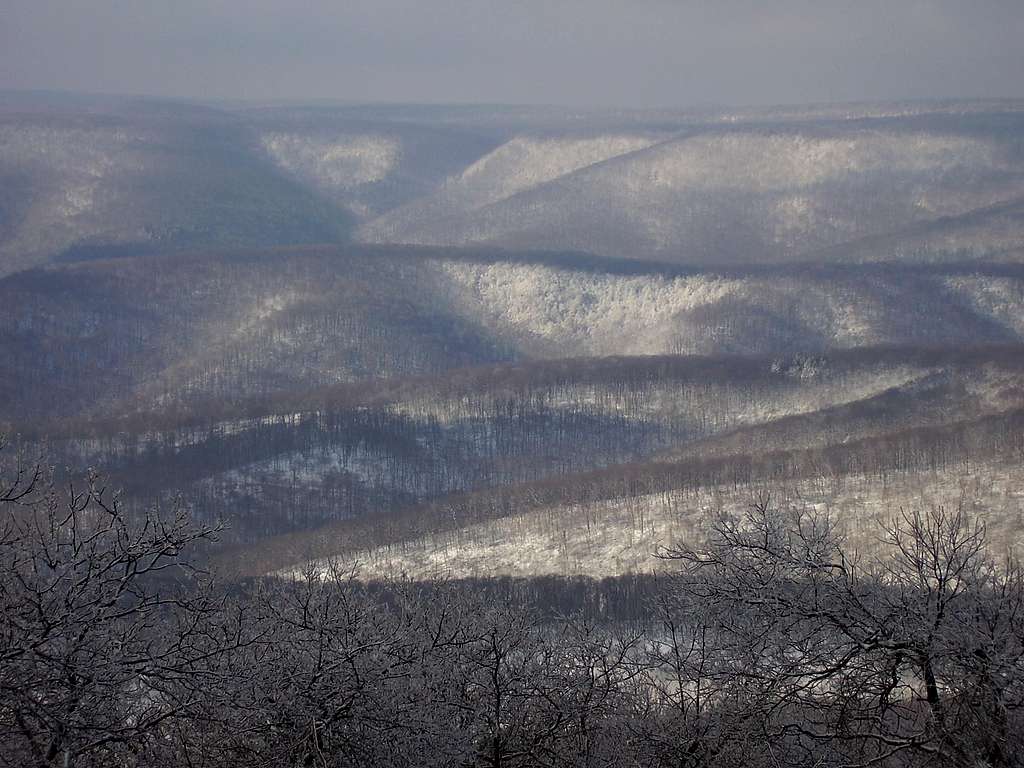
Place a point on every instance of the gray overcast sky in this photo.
(604, 52)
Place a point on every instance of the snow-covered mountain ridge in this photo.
(864, 183)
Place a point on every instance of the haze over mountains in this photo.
(397, 322)
(868, 183)
(371, 396)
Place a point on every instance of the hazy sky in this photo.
(604, 52)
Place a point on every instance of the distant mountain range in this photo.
(920, 182)
(388, 332)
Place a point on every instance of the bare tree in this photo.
(332, 675)
(911, 654)
(595, 673)
(99, 622)
(696, 713)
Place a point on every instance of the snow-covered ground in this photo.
(622, 535)
(742, 195)
(596, 313)
(553, 311)
(84, 160)
(792, 387)
(526, 162)
(999, 298)
(338, 162)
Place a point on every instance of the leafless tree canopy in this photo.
(772, 643)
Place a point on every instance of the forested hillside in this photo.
(337, 328)
(157, 331)
(510, 437)
(118, 650)
(919, 182)
(515, 433)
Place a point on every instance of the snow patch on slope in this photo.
(616, 536)
(337, 163)
(598, 313)
(76, 165)
(550, 310)
(786, 161)
(997, 298)
(527, 162)
(518, 166)
(744, 195)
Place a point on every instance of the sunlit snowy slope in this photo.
(161, 331)
(86, 178)
(474, 341)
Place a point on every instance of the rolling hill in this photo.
(374, 452)
(513, 341)
(92, 177)
(158, 331)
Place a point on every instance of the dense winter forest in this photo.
(510, 437)
(767, 643)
